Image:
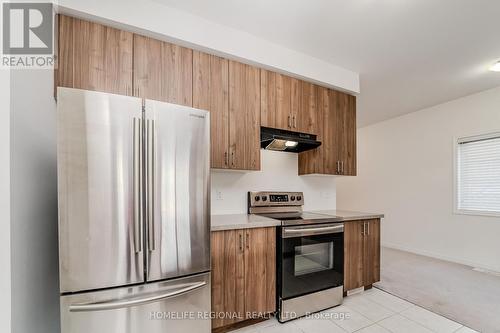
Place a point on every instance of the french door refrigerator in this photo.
(134, 230)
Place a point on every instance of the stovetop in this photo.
(297, 218)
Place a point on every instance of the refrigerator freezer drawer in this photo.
(180, 305)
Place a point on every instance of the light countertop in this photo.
(247, 221)
(241, 221)
(347, 215)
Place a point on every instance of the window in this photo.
(478, 175)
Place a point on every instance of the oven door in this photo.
(312, 259)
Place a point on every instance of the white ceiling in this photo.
(410, 54)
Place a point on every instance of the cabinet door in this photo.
(268, 98)
(244, 116)
(102, 58)
(312, 161)
(176, 74)
(88, 43)
(353, 255)
(260, 270)
(163, 71)
(350, 143)
(228, 274)
(306, 120)
(330, 135)
(283, 117)
(147, 68)
(64, 71)
(294, 104)
(94, 57)
(346, 133)
(371, 253)
(211, 92)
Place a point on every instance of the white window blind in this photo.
(478, 174)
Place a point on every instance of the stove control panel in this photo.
(270, 199)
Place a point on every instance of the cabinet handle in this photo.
(289, 121)
(364, 229)
(368, 227)
(232, 158)
(247, 242)
(338, 166)
(294, 122)
(342, 169)
(241, 242)
(226, 159)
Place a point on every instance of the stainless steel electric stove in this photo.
(310, 254)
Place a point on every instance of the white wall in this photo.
(156, 20)
(5, 201)
(405, 170)
(34, 260)
(279, 172)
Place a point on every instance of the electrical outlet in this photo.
(218, 195)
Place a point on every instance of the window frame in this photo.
(456, 143)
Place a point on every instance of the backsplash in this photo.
(279, 172)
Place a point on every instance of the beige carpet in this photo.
(452, 290)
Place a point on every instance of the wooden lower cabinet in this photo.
(362, 253)
(243, 274)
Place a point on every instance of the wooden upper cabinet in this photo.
(147, 67)
(94, 57)
(337, 126)
(231, 92)
(288, 103)
(268, 98)
(176, 74)
(306, 119)
(331, 135)
(64, 70)
(244, 116)
(346, 134)
(279, 100)
(312, 161)
(283, 116)
(240, 98)
(211, 92)
(162, 71)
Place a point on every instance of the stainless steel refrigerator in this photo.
(134, 221)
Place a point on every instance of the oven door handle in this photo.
(310, 231)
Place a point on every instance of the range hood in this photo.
(282, 140)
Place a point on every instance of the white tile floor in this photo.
(372, 311)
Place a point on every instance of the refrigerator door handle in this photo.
(126, 303)
(137, 124)
(150, 161)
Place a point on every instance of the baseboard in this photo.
(439, 256)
